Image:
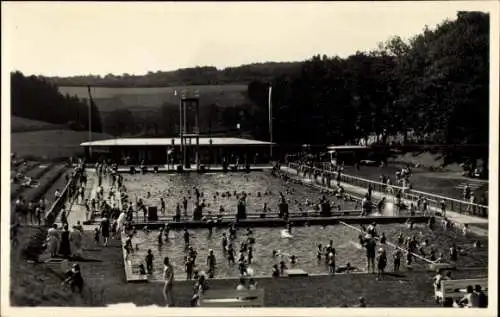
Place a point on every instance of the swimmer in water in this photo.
(283, 267)
(319, 252)
(401, 238)
(383, 238)
(160, 237)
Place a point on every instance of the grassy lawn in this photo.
(18, 124)
(51, 144)
(34, 284)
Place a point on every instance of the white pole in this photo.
(90, 122)
(180, 126)
(270, 122)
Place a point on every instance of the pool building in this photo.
(202, 150)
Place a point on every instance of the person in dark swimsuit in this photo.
(64, 247)
(186, 237)
(211, 263)
(230, 254)
(370, 246)
(149, 262)
(224, 243)
(105, 230)
(160, 237)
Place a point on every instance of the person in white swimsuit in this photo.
(168, 275)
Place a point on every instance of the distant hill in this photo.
(18, 124)
(140, 99)
(51, 144)
(206, 75)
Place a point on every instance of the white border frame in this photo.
(488, 6)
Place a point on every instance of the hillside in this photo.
(51, 144)
(139, 99)
(206, 75)
(18, 124)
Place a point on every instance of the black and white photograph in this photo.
(168, 156)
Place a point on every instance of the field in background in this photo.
(134, 99)
(51, 144)
(18, 124)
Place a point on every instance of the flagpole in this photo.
(180, 126)
(90, 123)
(270, 122)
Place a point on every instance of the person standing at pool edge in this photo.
(168, 274)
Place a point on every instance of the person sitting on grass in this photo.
(74, 279)
(362, 302)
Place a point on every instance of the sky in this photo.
(79, 38)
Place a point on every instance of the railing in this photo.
(55, 209)
(434, 201)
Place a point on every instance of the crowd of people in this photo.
(117, 210)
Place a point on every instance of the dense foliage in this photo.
(435, 87)
(206, 75)
(38, 99)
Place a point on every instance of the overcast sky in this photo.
(99, 38)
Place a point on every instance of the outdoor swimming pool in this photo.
(174, 187)
(304, 242)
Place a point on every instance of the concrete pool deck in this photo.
(298, 221)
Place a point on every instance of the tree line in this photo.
(201, 75)
(37, 98)
(434, 87)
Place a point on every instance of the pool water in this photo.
(442, 240)
(303, 245)
(173, 187)
(304, 242)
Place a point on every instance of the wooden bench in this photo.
(233, 298)
(458, 288)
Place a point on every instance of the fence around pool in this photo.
(412, 195)
(55, 209)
